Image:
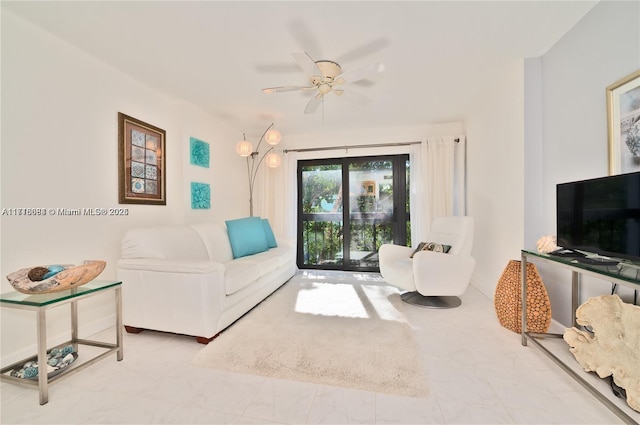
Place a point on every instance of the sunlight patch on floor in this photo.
(379, 298)
(331, 300)
(353, 299)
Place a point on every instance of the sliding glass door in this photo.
(348, 208)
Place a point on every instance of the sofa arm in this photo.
(179, 296)
(394, 252)
(282, 241)
(437, 273)
(395, 266)
(171, 266)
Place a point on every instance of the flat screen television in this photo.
(600, 216)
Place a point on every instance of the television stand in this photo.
(559, 351)
(562, 252)
(597, 261)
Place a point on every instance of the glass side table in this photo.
(40, 304)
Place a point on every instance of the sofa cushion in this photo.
(169, 242)
(284, 254)
(271, 239)
(216, 240)
(266, 261)
(240, 273)
(246, 236)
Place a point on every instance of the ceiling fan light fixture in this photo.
(324, 88)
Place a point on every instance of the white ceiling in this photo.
(218, 55)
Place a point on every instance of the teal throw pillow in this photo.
(271, 239)
(246, 236)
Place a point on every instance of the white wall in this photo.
(602, 48)
(495, 173)
(59, 150)
(226, 173)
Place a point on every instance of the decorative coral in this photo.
(547, 244)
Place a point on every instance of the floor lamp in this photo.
(272, 159)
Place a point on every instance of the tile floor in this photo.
(477, 372)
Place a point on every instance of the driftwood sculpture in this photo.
(614, 347)
(32, 280)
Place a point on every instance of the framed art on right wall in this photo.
(623, 124)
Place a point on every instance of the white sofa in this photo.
(185, 280)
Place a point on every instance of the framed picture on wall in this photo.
(623, 124)
(141, 162)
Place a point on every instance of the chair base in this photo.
(414, 298)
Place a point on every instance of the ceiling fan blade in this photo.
(360, 73)
(286, 88)
(304, 37)
(307, 64)
(313, 104)
(364, 50)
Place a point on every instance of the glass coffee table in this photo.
(40, 304)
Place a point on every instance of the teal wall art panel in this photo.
(199, 152)
(200, 196)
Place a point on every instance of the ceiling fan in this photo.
(325, 76)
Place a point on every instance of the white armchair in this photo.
(433, 279)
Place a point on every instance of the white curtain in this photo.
(271, 188)
(417, 204)
(290, 189)
(443, 177)
(460, 177)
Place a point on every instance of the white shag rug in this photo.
(337, 329)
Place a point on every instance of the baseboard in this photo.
(484, 289)
(84, 330)
(557, 327)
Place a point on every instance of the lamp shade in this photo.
(273, 160)
(273, 137)
(244, 148)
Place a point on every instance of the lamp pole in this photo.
(252, 169)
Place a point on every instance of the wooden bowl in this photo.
(71, 277)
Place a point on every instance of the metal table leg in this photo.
(43, 382)
(74, 325)
(119, 325)
(523, 293)
(575, 296)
